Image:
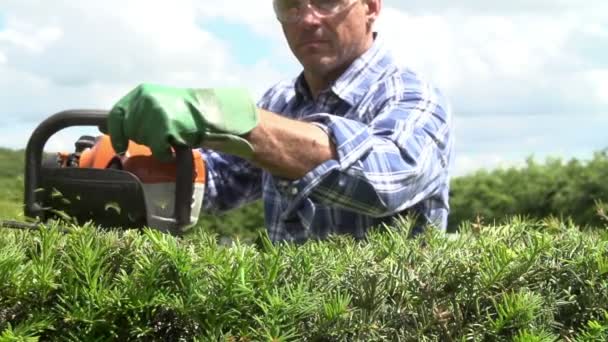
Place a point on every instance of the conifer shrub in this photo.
(524, 280)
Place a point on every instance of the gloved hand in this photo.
(159, 117)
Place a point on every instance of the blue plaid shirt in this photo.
(393, 136)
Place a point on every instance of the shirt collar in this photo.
(354, 82)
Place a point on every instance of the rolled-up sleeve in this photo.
(387, 165)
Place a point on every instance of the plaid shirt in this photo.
(393, 137)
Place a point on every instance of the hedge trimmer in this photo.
(93, 183)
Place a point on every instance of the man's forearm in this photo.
(289, 148)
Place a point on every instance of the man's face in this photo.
(325, 45)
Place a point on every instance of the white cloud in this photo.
(34, 42)
(518, 64)
(106, 45)
(600, 79)
(88, 53)
(257, 15)
(468, 163)
(503, 8)
(519, 57)
(506, 140)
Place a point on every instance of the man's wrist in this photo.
(323, 127)
(331, 143)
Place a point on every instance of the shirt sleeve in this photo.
(386, 166)
(231, 182)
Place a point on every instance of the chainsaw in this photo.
(94, 183)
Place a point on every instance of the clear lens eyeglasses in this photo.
(291, 11)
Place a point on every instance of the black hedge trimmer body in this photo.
(94, 183)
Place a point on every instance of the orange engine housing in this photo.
(158, 179)
(137, 160)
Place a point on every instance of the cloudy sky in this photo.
(525, 77)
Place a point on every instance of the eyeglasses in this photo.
(291, 11)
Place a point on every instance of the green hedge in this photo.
(570, 189)
(567, 189)
(523, 281)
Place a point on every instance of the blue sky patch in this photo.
(2, 25)
(593, 47)
(246, 46)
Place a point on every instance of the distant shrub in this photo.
(570, 190)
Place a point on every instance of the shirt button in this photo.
(294, 191)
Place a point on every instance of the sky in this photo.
(524, 77)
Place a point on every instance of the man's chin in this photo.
(319, 64)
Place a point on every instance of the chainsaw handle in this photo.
(69, 118)
(35, 148)
(184, 186)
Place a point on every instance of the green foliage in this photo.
(542, 278)
(12, 162)
(11, 182)
(244, 223)
(522, 281)
(569, 190)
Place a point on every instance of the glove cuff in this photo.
(237, 113)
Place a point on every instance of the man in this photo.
(351, 143)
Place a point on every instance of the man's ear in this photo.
(373, 8)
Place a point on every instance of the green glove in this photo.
(159, 117)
